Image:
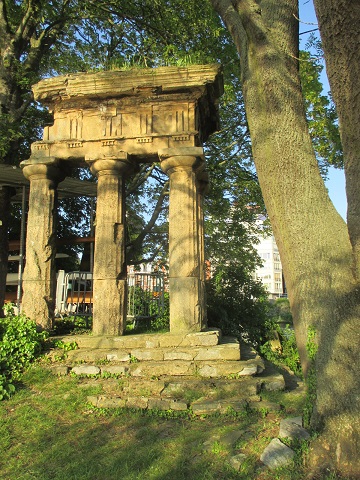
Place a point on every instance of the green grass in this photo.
(49, 432)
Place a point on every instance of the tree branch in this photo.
(136, 244)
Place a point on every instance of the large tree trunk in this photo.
(312, 238)
(339, 23)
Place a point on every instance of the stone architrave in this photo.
(187, 305)
(109, 276)
(39, 277)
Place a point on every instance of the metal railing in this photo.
(145, 295)
(74, 294)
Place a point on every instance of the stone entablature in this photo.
(140, 111)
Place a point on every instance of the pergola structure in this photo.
(112, 121)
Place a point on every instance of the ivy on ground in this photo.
(20, 344)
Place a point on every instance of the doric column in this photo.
(203, 183)
(109, 276)
(187, 312)
(39, 276)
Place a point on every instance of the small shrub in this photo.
(162, 320)
(288, 354)
(72, 325)
(20, 344)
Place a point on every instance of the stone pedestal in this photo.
(39, 276)
(109, 276)
(187, 305)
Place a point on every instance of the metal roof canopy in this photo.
(12, 176)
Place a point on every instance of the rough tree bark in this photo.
(339, 24)
(313, 239)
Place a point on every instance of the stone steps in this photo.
(203, 372)
(210, 337)
(204, 354)
(200, 396)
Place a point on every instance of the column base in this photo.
(187, 312)
(109, 315)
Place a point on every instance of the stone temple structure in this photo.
(112, 121)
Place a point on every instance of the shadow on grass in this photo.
(47, 432)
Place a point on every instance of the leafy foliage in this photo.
(283, 352)
(321, 114)
(20, 343)
(237, 304)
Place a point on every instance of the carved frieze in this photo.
(100, 112)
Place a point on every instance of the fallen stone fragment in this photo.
(237, 460)
(86, 370)
(292, 428)
(114, 369)
(110, 402)
(60, 370)
(274, 384)
(276, 454)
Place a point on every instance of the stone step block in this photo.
(229, 368)
(210, 337)
(151, 369)
(228, 351)
(205, 406)
(204, 369)
(214, 388)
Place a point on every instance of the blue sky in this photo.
(336, 181)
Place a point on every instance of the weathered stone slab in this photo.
(142, 387)
(236, 405)
(179, 355)
(118, 356)
(152, 354)
(60, 370)
(137, 402)
(249, 370)
(209, 337)
(159, 404)
(219, 352)
(110, 402)
(86, 370)
(223, 369)
(178, 405)
(115, 369)
(276, 454)
(274, 383)
(237, 460)
(205, 406)
(292, 428)
(103, 85)
(149, 369)
(93, 355)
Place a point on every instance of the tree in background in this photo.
(313, 239)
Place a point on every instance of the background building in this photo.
(270, 273)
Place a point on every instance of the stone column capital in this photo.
(119, 165)
(183, 158)
(45, 169)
